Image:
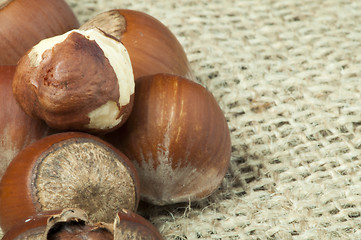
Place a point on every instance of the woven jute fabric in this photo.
(287, 75)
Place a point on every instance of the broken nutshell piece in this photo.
(152, 47)
(64, 224)
(68, 170)
(74, 224)
(81, 80)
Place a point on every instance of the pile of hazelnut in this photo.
(95, 118)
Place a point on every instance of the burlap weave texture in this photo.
(287, 75)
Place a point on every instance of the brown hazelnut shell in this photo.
(73, 223)
(30, 226)
(178, 138)
(152, 47)
(66, 170)
(129, 223)
(25, 22)
(17, 129)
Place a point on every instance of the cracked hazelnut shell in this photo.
(25, 22)
(178, 138)
(152, 47)
(17, 130)
(65, 170)
(73, 223)
(81, 80)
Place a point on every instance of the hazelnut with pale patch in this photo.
(152, 47)
(81, 80)
(177, 137)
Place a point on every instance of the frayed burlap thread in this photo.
(287, 75)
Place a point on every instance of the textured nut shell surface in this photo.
(18, 188)
(178, 138)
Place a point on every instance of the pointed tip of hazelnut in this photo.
(112, 22)
(144, 36)
(80, 80)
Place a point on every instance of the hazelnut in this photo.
(73, 223)
(25, 22)
(17, 129)
(128, 223)
(152, 47)
(178, 138)
(68, 170)
(81, 80)
(32, 227)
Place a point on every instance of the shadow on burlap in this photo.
(287, 75)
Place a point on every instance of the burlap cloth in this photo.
(287, 75)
